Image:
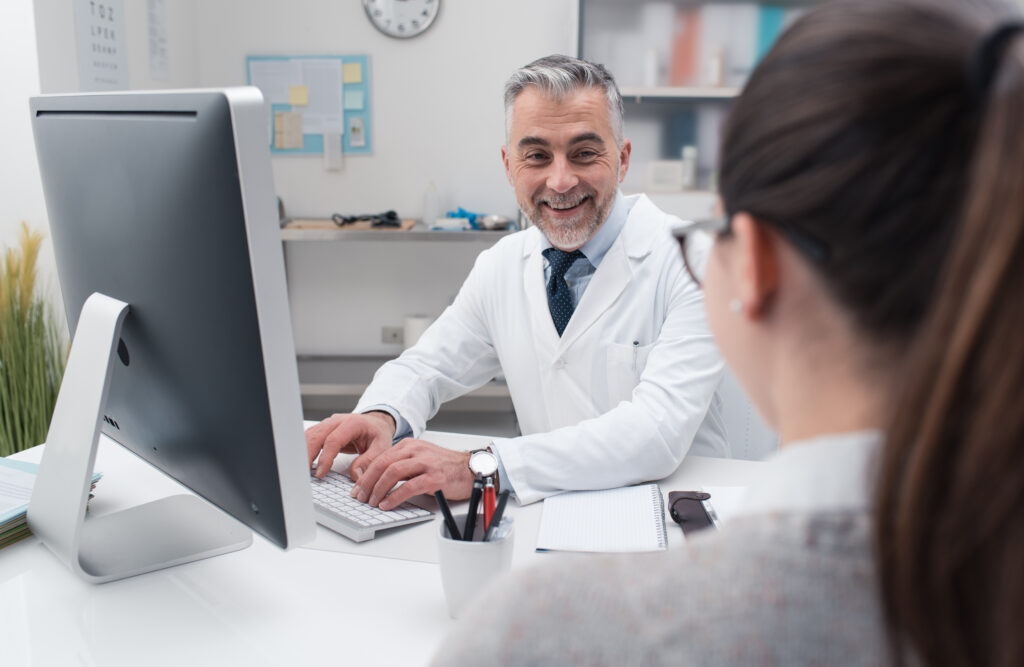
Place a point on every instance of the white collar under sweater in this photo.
(829, 472)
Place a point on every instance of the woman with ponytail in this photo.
(866, 285)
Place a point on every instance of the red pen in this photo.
(488, 502)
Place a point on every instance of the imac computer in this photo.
(168, 247)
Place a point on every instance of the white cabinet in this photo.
(678, 65)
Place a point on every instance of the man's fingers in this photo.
(372, 472)
(315, 436)
(412, 487)
(361, 463)
(346, 433)
(398, 471)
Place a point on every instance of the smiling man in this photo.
(590, 315)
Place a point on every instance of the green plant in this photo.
(32, 354)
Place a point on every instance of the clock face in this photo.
(401, 18)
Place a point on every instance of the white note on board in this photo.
(627, 519)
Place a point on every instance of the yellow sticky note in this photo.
(352, 73)
(298, 95)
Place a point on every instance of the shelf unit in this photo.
(331, 384)
(639, 93)
(418, 233)
(389, 236)
(679, 64)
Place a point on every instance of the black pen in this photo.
(453, 530)
(474, 500)
(498, 511)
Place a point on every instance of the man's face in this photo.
(564, 164)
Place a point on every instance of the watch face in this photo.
(401, 18)
(483, 463)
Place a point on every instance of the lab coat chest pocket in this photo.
(626, 363)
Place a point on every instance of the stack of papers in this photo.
(16, 481)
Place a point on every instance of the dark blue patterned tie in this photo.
(559, 295)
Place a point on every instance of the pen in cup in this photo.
(453, 530)
(488, 502)
(474, 501)
(498, 511)
(636, 349)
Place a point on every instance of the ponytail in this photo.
(950, 502)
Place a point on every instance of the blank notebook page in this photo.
(631, 518)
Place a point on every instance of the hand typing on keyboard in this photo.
(423, 466)
(367, 434)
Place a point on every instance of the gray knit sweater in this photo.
(784, 588)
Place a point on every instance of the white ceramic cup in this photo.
(468, 567)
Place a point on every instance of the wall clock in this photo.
(402, 18)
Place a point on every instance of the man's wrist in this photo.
(385, 418)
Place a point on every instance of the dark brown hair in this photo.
(856, 130)
(865, 128)
(950, 512)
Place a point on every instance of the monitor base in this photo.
(153, 536)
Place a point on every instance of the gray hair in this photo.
(560, 76)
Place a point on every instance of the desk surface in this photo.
(258, 606)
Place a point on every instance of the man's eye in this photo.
(536, 157)
(586, 155)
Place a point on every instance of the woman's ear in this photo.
(756, 264)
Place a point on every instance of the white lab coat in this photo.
(596, 410)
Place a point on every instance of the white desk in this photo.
(258, 606)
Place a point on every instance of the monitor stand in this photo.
(159, 534)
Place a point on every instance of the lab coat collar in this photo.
(635, 242)
(645, 226)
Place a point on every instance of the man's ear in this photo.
(757, 264)
(504, 160)
(624, 153)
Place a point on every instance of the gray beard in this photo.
(573, 233)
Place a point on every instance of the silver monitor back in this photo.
(164, 201)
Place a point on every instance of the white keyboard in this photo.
(339, 511)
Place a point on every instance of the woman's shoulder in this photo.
(775, 588)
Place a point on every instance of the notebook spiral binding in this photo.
(658, 500)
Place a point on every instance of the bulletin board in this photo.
(313, 99)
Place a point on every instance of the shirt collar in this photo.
(597, 247)
(826, 473)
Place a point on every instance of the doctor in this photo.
(590, 315)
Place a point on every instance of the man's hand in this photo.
(423, 466)
(365, 434)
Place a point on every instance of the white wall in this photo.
(58, 58)
(21, 191)
(436, 104)
(436, 115)
(436, 99)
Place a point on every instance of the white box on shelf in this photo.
(665, 176)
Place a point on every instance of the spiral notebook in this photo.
(627, 519)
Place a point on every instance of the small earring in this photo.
(736, 306)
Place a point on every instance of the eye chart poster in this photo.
(99, 30)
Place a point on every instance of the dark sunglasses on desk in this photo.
(687, 508)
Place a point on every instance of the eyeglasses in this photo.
(696, 238)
